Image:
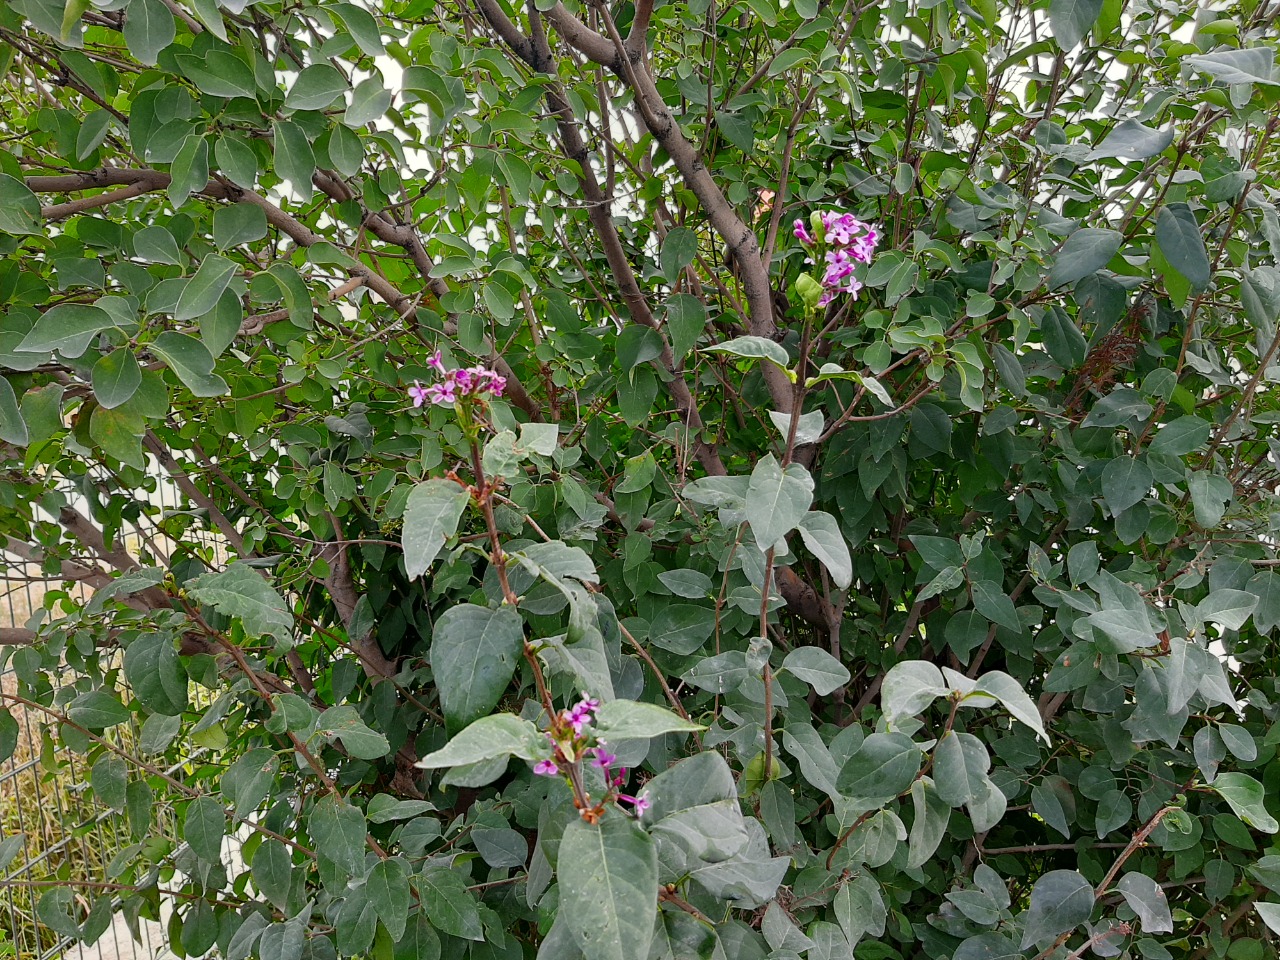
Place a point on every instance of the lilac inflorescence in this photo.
(457, 384)
(848, 241)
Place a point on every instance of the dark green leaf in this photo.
(474, 652)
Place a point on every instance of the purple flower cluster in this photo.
(456, 384)
(583, 742)
(604, 761)
(848, 242)
(581, 714)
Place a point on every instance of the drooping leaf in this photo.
(241, 591)
(1061, 900)
(474, 652)
(609, 888)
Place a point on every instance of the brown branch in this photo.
(536, 53)
(740, 240)
(17, 637)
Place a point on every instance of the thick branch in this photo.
(537, 54)
(738, 236)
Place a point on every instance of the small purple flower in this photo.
(442, 394)
(436, 362)
(802, 233)
(546, 768)
(640, 803)
(581, 713)
(419, 394)
(603, 759)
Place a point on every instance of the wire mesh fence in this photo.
(66, 838)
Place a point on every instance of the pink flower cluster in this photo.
(578, 718)
(848, 242)
(603, 761)
(456, 384)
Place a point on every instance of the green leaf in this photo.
(1125, 481)
(236, 159)
(679, 248)
(1071, 20)
(960, 765)
(68, 328)
(1178, 234)
(241, 591)
(609, 888)
(1013, 697)
(155, 674)
(273, 871)
(295, 160)
(190, 169)
(1061, 900)
(54, 909)
(1227, 607)
(387, 888)
(1087, 250)
(221, 325)
(343, 723)
(1147, 899)
(10, 846)
(346, 151)
(629, 720)
(148, 28)
(119, 432)
(883, 767)
(500, 735)
(686, 319)
(474, 652)
(688, 583)
(1250, 65)
(317, 87)
(1270, 914)
(238, 223)
(431, 517)
(97, 710)
(19, 208)
(908, 688)
(990, 600)
(362, 26)
(338, 831)
(110, 781)
(1181, 436)
(1131, 140)
(8, 738)
(807, 431)
(116, 378)
(932, 816)
(777, 500)
(1245, 796)
(817, 668)
(1062, 338)
(446, 901)
(369, 101)
(218, 73)
(191, 361)
(420, 941)
(682, 628)
(754, 348)
(205, 828)
(13, 428)
(201, 292)
(157, 245)
(1266, 587)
